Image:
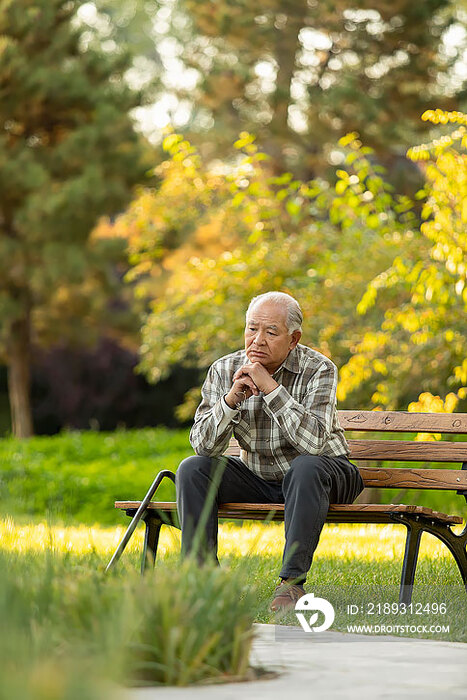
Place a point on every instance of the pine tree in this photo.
(68, 154)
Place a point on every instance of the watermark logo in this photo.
(308, 603)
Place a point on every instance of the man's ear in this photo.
(296, 335)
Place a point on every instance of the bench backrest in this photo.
(426, 451)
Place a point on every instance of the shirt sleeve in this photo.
(212, 427)
(306, 424)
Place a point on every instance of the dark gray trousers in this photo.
(310, 485)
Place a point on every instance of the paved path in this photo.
(338, 666)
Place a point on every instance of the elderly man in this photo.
(278, 397)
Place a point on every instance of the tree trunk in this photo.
(19, 380)
(286, 46)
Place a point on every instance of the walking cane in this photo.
(137, 516)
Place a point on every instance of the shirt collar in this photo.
(291, 362)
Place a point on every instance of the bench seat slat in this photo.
(403, 421)
(346, 512)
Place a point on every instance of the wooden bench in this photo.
(417, 519)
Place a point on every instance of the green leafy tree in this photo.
(384, 293)
(301, 74)
(421, 344)
(209, 239)
(68, 154)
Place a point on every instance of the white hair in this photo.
(294, 315)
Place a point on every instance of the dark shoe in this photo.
(286, 596)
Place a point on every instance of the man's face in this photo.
(267, 339)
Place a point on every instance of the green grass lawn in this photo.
(69, 630)
(77, 476)
(351, 560)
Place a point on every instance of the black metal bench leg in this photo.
(412, 545)
(137, 515)
(457, 545)
(151, 540)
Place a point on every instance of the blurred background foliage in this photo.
(125, 206)
(302, 74)
(421, 342)
(396, 333)
(68, 154)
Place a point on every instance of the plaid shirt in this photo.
(298, 417)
